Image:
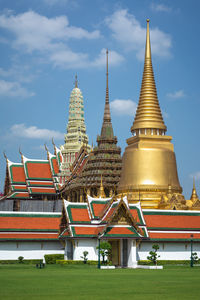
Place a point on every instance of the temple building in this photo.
(132, 202)
(103, 163)
(76, 136)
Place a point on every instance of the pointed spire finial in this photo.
(76, 81)
(107, 117)
(4, 154)
(148, 44)
(101, 190)
(21, 154)
(194, 195)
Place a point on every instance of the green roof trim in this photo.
(31, 215)
(97, 202)
(28, 230)
(70, 213)
(173, 213)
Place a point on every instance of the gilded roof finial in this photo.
(101, 190)
(76, 81)
(4, 154)
(194, 195)
(148, 114)
(21, 155)
(45, 146)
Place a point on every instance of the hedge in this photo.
(165, 262)
(51, 258)
(25, 261)
(75, 262)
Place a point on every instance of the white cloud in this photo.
(176, 95)
(49, 37)
(195, 175)
(113, 57)
(14, 89)
(68, 59)
(33, 132)
(127, 30)
(160, 7)
(19, 73)
(123, 107)
(34, 32)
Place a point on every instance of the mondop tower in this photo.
(149, 171)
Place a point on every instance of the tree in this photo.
(84, 257)
(153, 255)
(195, 258)
(105, 250)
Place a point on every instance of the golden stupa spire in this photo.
(148, 114)
(194, 195)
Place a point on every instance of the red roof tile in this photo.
(28, 236)
(172, 221)
(39, 190)
(172, 235)
(17, 174)
(80, 214)
(38, 170)
(17, 222)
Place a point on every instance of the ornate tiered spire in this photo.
(148, 114)
(107, 130)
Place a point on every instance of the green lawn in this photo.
(87, 282)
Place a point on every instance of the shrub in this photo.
(165, 262)
(51, 258)
(25, 261)
(21, 259)
(153, 255)
(75, 262)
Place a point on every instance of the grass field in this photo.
(87, 282)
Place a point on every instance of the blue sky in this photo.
(44, 43)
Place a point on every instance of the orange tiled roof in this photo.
(32, 221)
(172, 220)
(37, 170)
(28, 236)
(17, 174)
(80, 214)
(39, 190)
(173, 235)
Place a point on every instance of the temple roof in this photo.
(91, 219)
(29, 226)
(33, 176)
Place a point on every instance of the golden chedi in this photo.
(149, 162)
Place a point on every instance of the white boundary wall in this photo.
(168, 250)
(88, 245)
(29, 250)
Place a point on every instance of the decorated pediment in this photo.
(122, 216)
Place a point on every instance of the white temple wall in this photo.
(168, 250)
(88, 245)
(29, 250)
